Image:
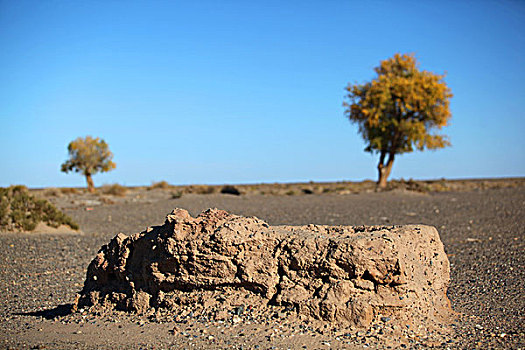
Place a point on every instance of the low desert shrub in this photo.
(69, 190)
(409, 185)
(176, 195)
(20, 211)
(114, 190)
(201, 189)
(159, 185)
(52, 192)
(228, 189)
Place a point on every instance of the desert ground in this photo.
(481, 224)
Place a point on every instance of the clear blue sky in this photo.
(248, 91)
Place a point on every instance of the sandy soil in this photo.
(483, 233)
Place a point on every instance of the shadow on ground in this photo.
(49, 314)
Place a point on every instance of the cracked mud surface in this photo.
(482, 231)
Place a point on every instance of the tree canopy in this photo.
(399, 110)
(88, 156)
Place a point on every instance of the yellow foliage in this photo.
(88, 156)
(399, 109)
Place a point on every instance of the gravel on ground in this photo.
(482, 230)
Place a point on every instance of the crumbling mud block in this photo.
(348, 276)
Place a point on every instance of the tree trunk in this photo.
(90, 183)
(384, 169)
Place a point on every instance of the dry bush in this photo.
(229, 189)
(176, 194)
(408, 185)
(20, 211)
(201, 189)
(52, 192)
(114, 190)
(365, 186)
(69, 190)
(163, 185)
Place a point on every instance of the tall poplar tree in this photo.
(399, 110)
(88, 156)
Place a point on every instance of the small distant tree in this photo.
(398, 111)
(89, 156)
